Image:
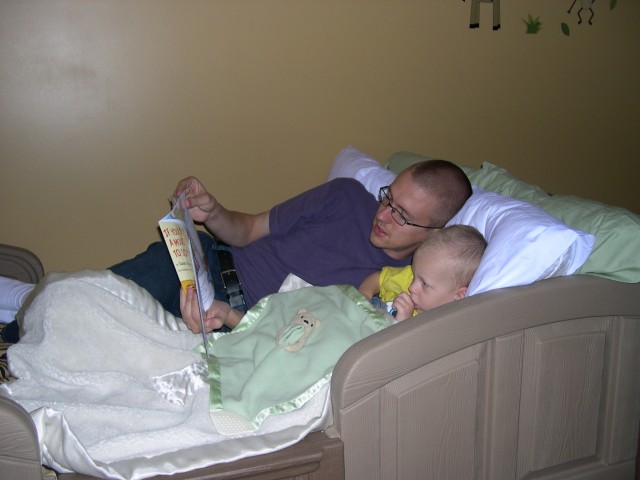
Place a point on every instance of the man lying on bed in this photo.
(336, 233)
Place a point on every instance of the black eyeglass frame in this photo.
(384, 195)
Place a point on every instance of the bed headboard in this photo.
(20, 263)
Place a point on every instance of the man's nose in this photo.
(384, 213)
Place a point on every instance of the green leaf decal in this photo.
(533, 24)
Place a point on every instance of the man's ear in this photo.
(460, 293)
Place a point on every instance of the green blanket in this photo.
(284, 350)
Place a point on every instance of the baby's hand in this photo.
(215, 317)
(404, 306)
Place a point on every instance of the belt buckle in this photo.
(233, 288)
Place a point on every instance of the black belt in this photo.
(232, 285)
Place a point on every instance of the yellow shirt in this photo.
(394, 280)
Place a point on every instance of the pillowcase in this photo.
(525, 244)
(616, 254)
(352, 163)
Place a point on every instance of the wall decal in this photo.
(533, 24)
(584, 11)
(475, 13)
(587, 7)
(584, 5)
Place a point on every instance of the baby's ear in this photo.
(460, 293)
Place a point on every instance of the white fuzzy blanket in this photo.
(93, 343)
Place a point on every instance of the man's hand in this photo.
(234, 228)
(199, 202)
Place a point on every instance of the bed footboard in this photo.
(19, 450)
(528, 381)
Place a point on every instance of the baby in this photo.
(440, 272)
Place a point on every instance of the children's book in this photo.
(181, 237)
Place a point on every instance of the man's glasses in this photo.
(384, 198)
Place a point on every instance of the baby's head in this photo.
(444, 264)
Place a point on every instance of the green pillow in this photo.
(616, 254)
(496, 179)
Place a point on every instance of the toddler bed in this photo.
(534, 380)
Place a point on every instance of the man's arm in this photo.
(234, 228)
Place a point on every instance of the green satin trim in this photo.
(214, 371)
(291, 405)
(376, 316)
(251, 317)
(215, 392)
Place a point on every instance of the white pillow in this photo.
(352, 163)
(525, 243)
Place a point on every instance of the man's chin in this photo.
(377, 241)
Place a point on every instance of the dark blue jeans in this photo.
(154, 271)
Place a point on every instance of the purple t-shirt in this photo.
(321, 235)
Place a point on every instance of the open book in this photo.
(181, 237)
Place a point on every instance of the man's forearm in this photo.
(236, 228)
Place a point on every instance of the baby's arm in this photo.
(370, 286)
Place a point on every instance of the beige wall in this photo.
(104, 105)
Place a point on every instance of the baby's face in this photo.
(433, 283)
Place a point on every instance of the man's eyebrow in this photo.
(400, 208)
